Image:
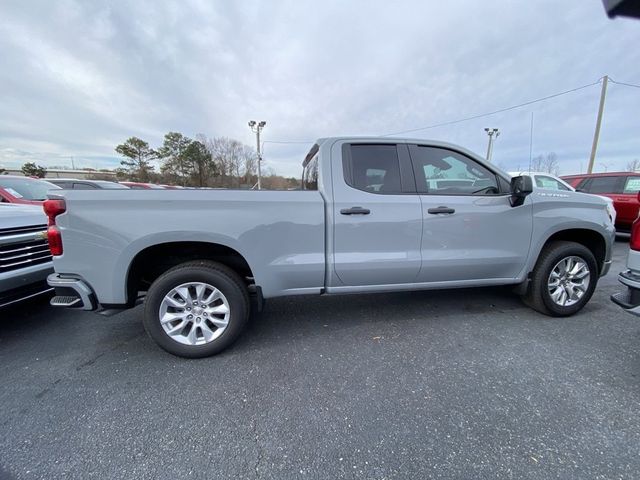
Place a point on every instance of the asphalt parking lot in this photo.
(455, 384)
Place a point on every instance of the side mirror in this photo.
(520, 187)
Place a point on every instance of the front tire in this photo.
(563, 280)
(196, 309)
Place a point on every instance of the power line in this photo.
(513, 107)
(482, 115)
(626, 84)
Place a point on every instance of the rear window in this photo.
(374, 168)
(603, 185)
(310, 174)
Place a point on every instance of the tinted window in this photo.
(61, 184)
(83, 186)
(112, 185)
(543, 181)
(604, 185)
(444, 172)
(375, 168)
(632, 185)
(310, 175)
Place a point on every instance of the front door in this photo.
(470, 230)
(377, 215)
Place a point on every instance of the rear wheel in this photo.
(196, 309)
(563, 279)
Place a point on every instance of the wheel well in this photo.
(589, 238)
(153, 261)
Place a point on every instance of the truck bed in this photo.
(280, 234)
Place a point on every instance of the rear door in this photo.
(377, 215)
(470, 230)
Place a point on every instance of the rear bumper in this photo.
(69, 288)
(629, 299)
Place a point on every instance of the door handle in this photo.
(435, 211)
(355, 211)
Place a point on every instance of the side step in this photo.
(66, 301)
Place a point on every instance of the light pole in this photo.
(257, 128)
(491, 132)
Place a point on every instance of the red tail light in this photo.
(54, 207)
(55, 240)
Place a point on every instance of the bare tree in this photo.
(235, 162)
(633, 166)
(547, 163)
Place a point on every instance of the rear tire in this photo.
(196, 309)
(563, 280)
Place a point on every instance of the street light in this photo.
(257, 127)
(491, 132)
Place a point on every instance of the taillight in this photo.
(55, 240)
(54, 207)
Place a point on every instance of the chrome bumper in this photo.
(72, 292)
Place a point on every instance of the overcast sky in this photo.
(78, 77)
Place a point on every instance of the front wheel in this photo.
(196, 309)
(563, 279)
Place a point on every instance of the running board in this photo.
(65, 301)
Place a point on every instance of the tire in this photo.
(198, 322)
(539, 295)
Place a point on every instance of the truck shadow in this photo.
(318, 315)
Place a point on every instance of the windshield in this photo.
(27, 188)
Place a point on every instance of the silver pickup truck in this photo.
(373, 215)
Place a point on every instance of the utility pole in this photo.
(531, 142)
(596, 134)
(491, 132)
(257, 127)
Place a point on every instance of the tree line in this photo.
(200, 162)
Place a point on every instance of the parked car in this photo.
(81, 184)
(142, 186)
(25, 259)
(621, 187)
(551, 182)
(24, 190)
(368, 219)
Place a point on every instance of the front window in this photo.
(632, 185)
(27, 188)
(440, 171)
